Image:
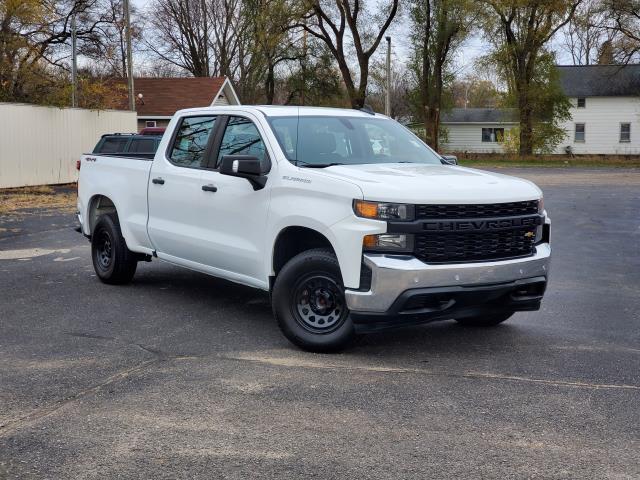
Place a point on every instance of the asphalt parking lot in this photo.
(184, 376)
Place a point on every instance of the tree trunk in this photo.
(361, 94)
(526, 122)
(269, 87)
(357, 101)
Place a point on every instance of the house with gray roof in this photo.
(605, 115)
(477, 130)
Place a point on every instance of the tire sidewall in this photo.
(123, 263)
(104, 226)
(320, 261)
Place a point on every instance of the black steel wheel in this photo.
(103, 251)
(318, 303)
(309, 302)
(113, 262)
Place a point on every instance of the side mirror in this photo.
(449, 159)
(246, 166)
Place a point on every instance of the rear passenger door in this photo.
(174, 194)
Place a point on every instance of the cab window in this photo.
(241, 137)
(113, 145)
(142, 145)
(191, 141)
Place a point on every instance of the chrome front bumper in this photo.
(392, 276)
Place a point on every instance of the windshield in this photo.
(324, 140)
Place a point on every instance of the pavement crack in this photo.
(159, 354)
(304, 363)
(88, 335)
(12, 426)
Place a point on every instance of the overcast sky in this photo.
(465, 57)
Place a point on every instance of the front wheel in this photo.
(309, 302)
(113, 262)
(489, 320)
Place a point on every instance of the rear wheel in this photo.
(309, 302)
(489, 320)
(113, 262)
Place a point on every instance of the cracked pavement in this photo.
(180, 375)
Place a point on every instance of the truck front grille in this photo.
(451, 246)
(491, 210)
(458, 247)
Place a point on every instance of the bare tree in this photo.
(107, 50)
(439, 26)
(625, 18)
(588, 32)
(475, 92)
(400, 87)
(342, 24)
(227, 27)
(180, 35)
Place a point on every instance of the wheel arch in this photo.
(99, 204)
(293, 240)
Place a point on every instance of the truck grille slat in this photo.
(469, 246)
(492, 210)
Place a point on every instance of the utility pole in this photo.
(74, 64)
(127, 26)
(387, 103)
(205, 35)
(304, 66)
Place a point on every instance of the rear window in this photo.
(113, 145)
(191, 141)
(142, 145)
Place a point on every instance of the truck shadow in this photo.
(215, 304)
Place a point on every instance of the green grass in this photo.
(555, 161)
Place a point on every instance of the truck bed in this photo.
(123, 180)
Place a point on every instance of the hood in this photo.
(414, 183)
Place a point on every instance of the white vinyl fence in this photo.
(40, 145)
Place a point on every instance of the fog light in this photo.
(388, 242)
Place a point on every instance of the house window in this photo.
(582, 102)
(492, 135)
(580, 133)
(625, 132)
(150, 123)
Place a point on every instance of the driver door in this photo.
(233, 216)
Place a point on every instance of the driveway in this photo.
(180, 375)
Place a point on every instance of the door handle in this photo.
(209, 188)
(158, 181)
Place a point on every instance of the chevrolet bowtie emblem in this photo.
(529, 234)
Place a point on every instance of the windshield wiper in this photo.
(300, 163)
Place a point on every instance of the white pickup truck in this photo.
(350, 221)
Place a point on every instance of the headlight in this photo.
(541, 205)
(383, 211)
(388, 242)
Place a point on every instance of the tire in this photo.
(490, 320)
(113, 262)
(309, 303)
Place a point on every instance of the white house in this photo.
(606, 109)
(478, 130)
(605, 115)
